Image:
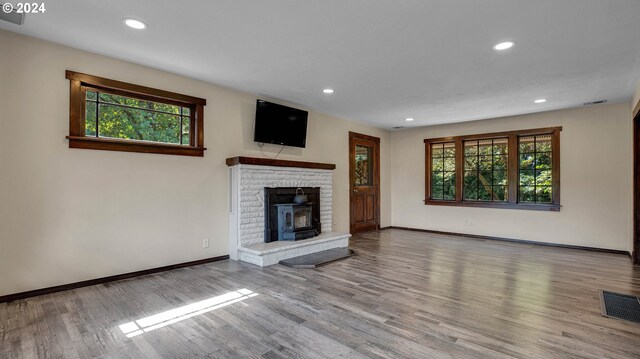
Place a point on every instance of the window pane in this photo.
(186, 130)
(443, 167)
(363, 166)
(499, 178)
(437, 179)
(438, 164)
(543, 178)
(490, 160)
(471, 163)
(485, 149)
(470, 183)
(527, 161)
(437, 192)
(449, 190)
(536, 180)
(543, 160)
(543, 143)
(500, 163)
(90, 118)
(471, 148)
(91, 95)
(186, 111)
(485, 178)
(499, 193)
(121, 117)
(486, 162)
(449, 185)
(526, 144)
(136, 124)
(527, 178)
(450, 164)
(500, 147)
(450, 177)
(543, 194)
(141, 104)
(471, 194)
(483, 193)
(527, 194)
(449, 152)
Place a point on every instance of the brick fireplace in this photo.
(250, 179)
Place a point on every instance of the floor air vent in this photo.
(620, 306)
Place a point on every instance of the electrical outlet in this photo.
(205, 243)
(468, 222)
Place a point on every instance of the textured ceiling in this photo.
(386, 60)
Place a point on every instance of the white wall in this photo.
(68, 215)
(596, 181)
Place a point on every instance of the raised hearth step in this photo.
(266, 254)
(314, 260)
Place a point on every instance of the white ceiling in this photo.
(387, 60)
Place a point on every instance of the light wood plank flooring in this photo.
(405, 295)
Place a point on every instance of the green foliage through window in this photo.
(485, 170)
(508, 169)
(443, 175)
(535, 169)
(120, 117)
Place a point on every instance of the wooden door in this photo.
(364, 182)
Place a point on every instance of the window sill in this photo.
(532, 207)
(93, 143)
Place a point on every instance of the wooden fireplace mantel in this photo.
(232, 161)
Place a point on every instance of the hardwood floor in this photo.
(405, 295)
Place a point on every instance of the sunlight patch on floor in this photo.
(171, 316)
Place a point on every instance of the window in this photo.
(443, 172)
(117, 116)
(362, 172)
(485, 170)
(516, 169)
(535, 172)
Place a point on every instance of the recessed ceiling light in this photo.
(135, 24)
(409, 119)
(540, 100)
(504, 45)
(327, 90)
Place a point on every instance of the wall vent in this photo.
(12, 17)
(594, 103)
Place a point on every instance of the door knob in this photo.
(355, 191)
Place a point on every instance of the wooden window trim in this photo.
(80, 83)
(512, 170)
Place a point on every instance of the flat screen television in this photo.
(280, 125)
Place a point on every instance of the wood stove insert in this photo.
(285, 220)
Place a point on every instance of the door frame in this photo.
(376, 178)
(635, 254)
